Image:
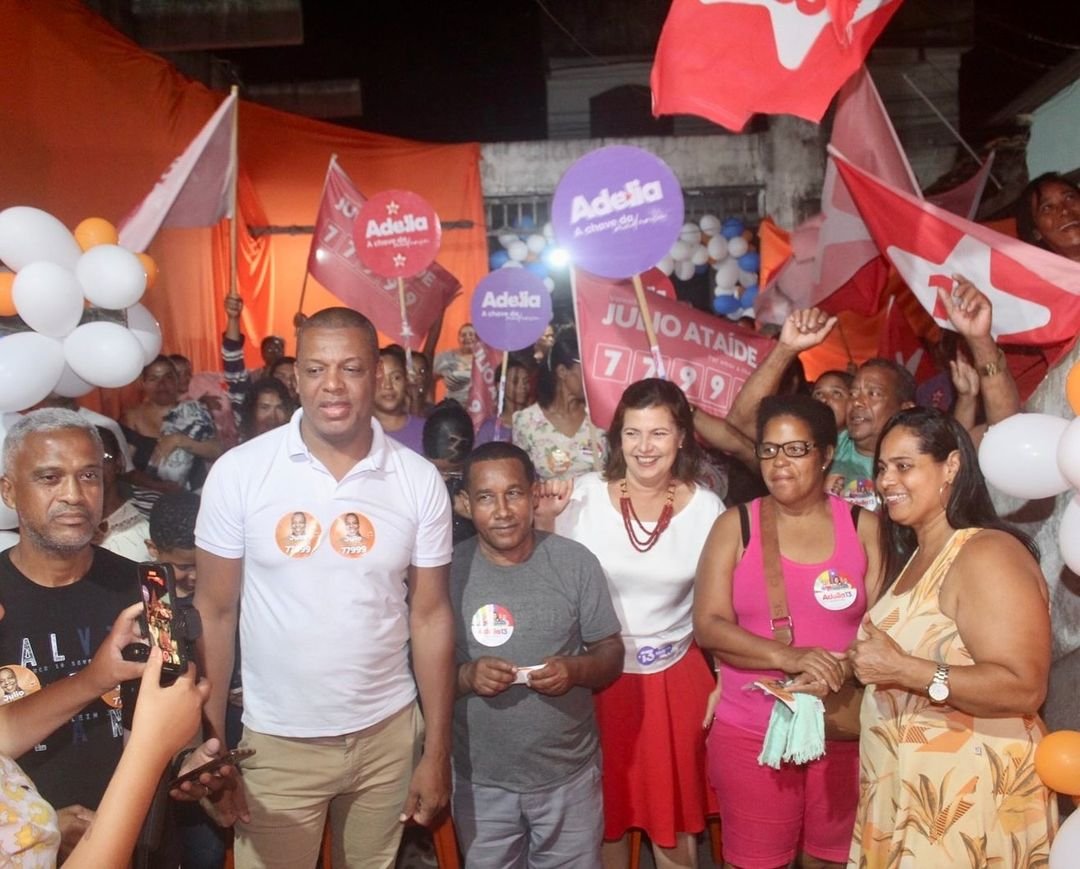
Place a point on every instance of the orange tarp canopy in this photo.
(90, 121)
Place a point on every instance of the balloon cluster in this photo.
(1057, 761)
(1037, 455)
(523, 247)
(74, 293)
(726, 247)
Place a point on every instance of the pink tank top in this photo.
(826, 602)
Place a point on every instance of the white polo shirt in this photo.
(324, 629)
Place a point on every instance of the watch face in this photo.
(938, 691)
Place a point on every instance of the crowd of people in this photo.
(561, 627)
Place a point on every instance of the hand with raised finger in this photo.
(876, 657)
(968, 309)
(965, 378)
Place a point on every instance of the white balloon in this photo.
(511, 264)
(1068, 453)
(725, 291)
(8, 517)
(737, 246)
(536, 243)
(690, 233)
(549, 231)
(508, 238)
(727, 273)
(104, 354)
(145, 327)
(1066, 844)
(111, 276)
(550, 284)
(48, 298)
(666, 265)
(684, 270)
(30, 234)
(710, 224)
(699, 256)
(1019, 455)
(71, 385)
(680, 251)
(30, 366)
(1069, 539)
(747, 279)
(717, 248)
(518, 250)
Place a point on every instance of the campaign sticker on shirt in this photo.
(298, 534)
(17, 682)
(834, 591)
(861, 492)
(352, 535)
(559, 460)
(492, 625)
(112, 698)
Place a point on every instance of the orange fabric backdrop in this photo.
(90, 121)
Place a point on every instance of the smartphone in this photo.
(157, 582)
(231, 758)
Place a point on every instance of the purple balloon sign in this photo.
(617, 210)
(510, 309)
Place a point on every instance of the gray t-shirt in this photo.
(553, 604)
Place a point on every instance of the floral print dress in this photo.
(937, 786)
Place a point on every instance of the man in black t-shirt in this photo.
(61, 596)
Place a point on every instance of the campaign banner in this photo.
(511, 308)
(397, 234)
(709, 357)
(334, 263)
(617, 210)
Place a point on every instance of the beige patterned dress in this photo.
(939, 787)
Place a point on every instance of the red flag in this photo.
(709, 357)
(1034, 292)
(334, 264)
(482, 401)
(900, 344)
(196, 190)
(728, 59)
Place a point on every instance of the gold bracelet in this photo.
(995, 367)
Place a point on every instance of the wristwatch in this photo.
(938, 689)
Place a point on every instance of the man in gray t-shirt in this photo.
(536, 634)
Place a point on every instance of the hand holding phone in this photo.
(230, 758)
(157, 583)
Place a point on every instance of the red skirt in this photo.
(654, 751)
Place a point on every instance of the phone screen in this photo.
(159, 600)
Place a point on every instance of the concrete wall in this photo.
(788, 162)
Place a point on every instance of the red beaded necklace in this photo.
(630, 519)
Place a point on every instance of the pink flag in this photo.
(1034, 292)
(334, 264)
(482, 401)
(964, 198)
(196, 190)
(728, 59)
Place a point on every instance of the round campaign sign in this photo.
(618, 211)
(511, 308)
(397, 234)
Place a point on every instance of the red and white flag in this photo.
(726, 60)
(333, 262)
(964, 198)
(1035, 293)
(196, 190)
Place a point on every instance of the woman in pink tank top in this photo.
(830, 565)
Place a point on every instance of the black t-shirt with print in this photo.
(54, 632)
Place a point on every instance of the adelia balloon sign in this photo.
(618, 210)
(397, 234)
(510, 309)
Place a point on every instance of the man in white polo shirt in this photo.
(326, 627)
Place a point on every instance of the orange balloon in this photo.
(1072, 388)
(1057, 761)
(7, 304)
(150, 267)
(94, 231)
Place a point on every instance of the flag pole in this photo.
(949, 127)
(650, 333)
(234, 291)
(406, 331)
(502, 394)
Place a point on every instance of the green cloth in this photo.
(856, 472)
(794, 736)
